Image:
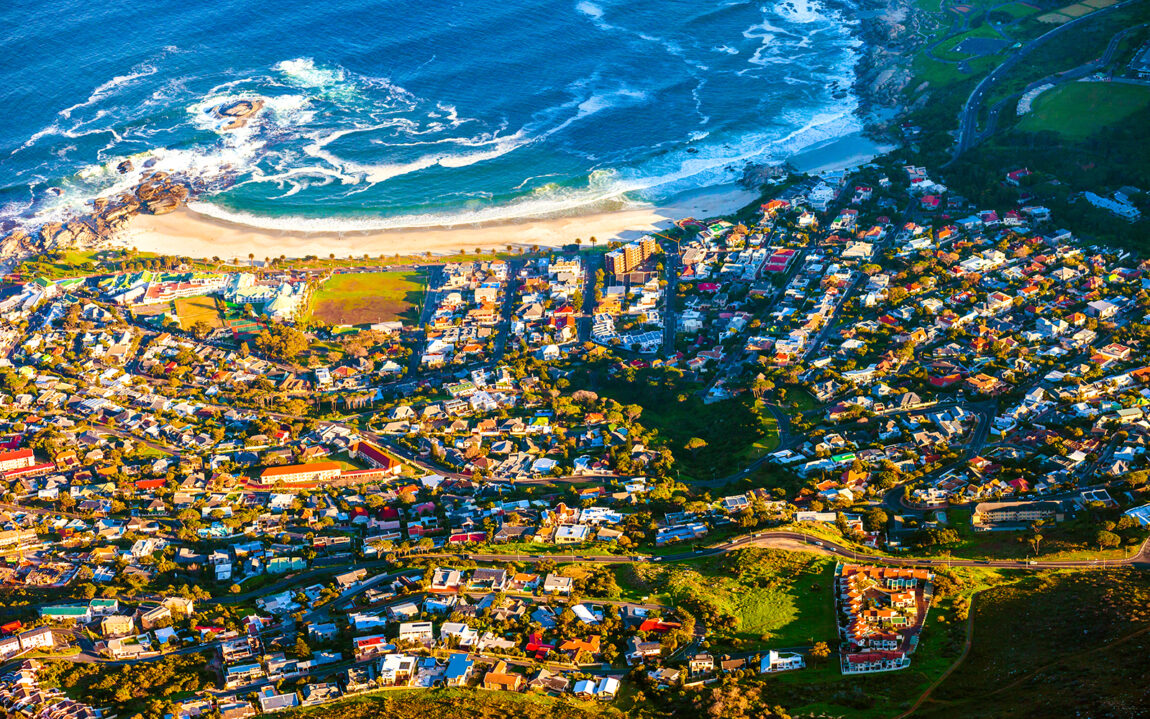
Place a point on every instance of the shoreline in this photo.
(188, 233)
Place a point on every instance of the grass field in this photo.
(751, 599)
(54, 266)
(1079, 109)
(367, 297)
(1057, 644)
(194, 309)
(459, 704)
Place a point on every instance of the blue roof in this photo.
(458, 665)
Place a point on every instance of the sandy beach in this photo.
(191, 234)
(188, 233)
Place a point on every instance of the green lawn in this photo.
(1079, 109)
(368, 297)
(751, 599)
(58, 265)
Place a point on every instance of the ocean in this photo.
(401, 113)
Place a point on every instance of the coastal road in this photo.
(968, 134)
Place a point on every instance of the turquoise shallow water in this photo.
(393, 113)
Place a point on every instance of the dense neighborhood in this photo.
(450, 497)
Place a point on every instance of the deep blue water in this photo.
(413, 112)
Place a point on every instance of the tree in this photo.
(820, 651)
(694, 444)
(1107, 540)
(876, 520)
(302, 650)
(1035, 542)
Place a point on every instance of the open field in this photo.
(1078, 110)
(198, 309)
(1056, 644)
(366, 297)
(459, 704)
(750, 600)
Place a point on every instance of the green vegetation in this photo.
(1084, 44)
(362, 298)
(144, 689)
(1078, 110)
(728, 430)
(1057, 644)
(58, 265)
(458, 704)
(750, 599)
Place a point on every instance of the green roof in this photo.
(64, 611)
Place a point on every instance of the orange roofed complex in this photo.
(881, 611)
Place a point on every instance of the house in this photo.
(500, 679)
(700, 664)
(463, 635)
(555, 584)
(321, 693)
(446, 579)
(271, 701)
(458, 670)
(639, 651)
(396, 670)
(117, 625)
(419, 632)
(549, 682)
(773, 661)
(494, 580)
(81, 614)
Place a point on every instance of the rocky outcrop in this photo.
(159, 194)
(755, 175)
(156, 194)
(237, 113)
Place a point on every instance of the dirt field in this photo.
(192, 309)
(367, 297)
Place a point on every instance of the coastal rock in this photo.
(163, 205)
(755, 175)
(16, 241)
(48, 232)
(100, 204)
(121, 213)
(158, 195)
(125, 167)
(237, 113)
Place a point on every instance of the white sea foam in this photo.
(304, 72)
(659, 178)
(106, 88)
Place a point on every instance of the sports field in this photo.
(193, 309)
(1079, 109)
(366, 297)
